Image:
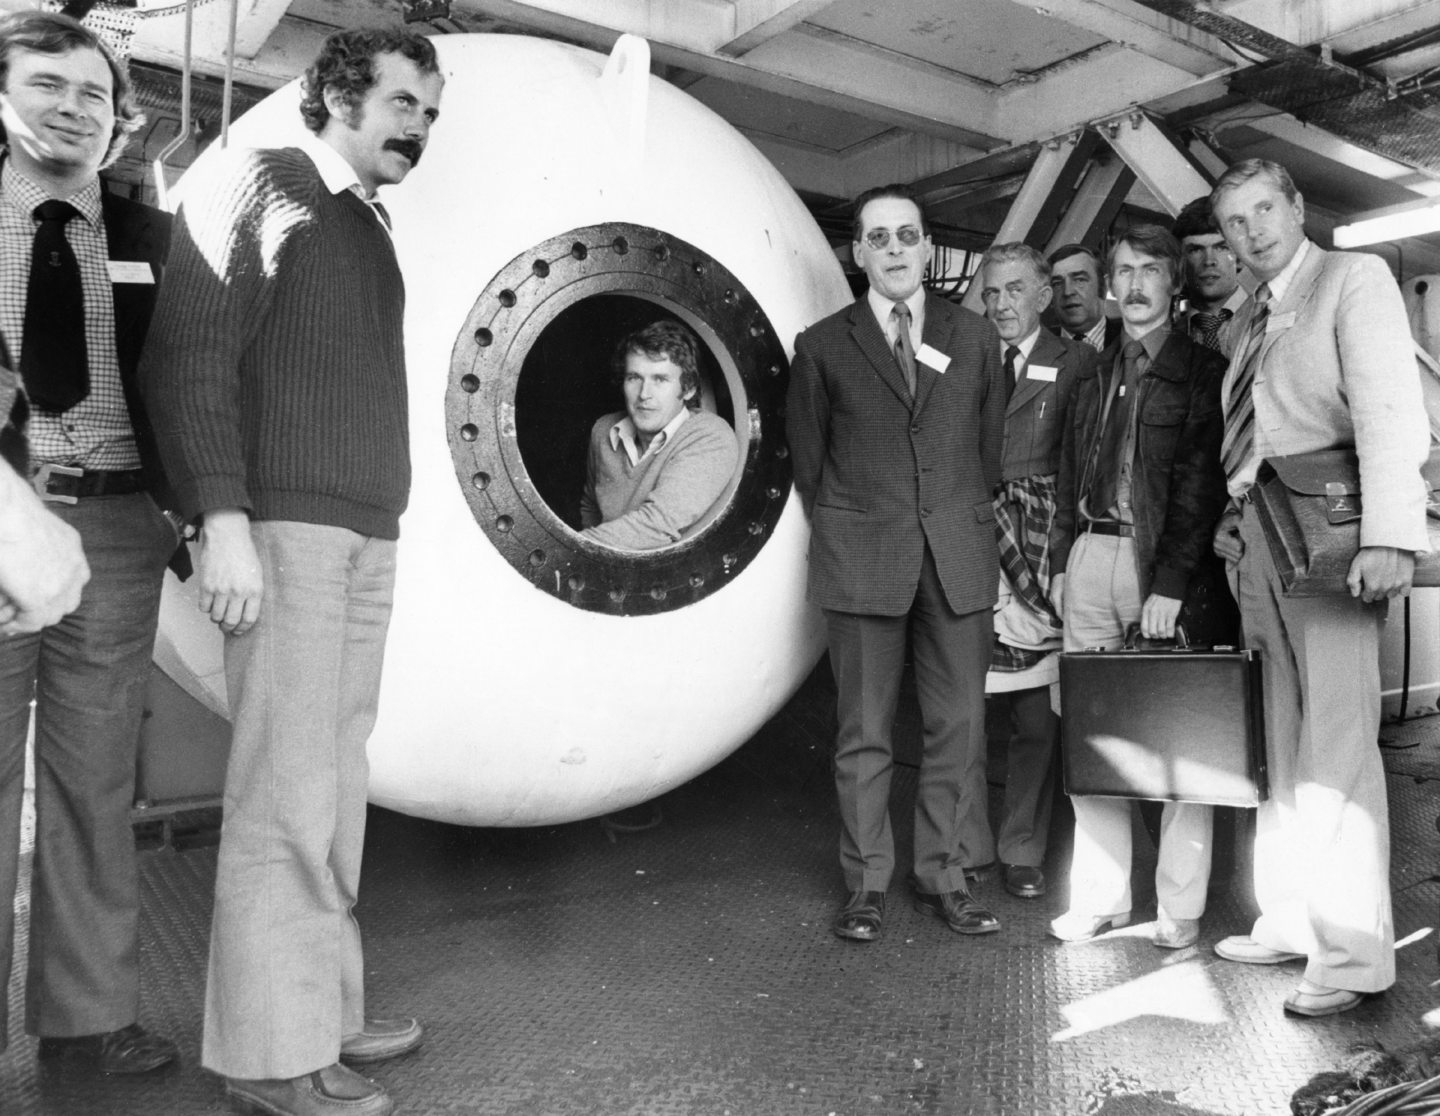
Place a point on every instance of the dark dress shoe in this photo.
(1024, 882)
(334, 1090)
(959, 910)
(131, 1049)
(862, 917)
(381, 1039)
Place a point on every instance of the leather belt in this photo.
(65, 484)
(1105, 527)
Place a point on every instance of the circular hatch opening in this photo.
(530, 375)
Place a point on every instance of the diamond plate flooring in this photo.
(689, 968)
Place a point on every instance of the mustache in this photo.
(410, 148)
(1135, 298)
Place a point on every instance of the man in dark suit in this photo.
(1080, 297)
(1042, 370)
(1141, 490)
(895, 417)
(78, 269)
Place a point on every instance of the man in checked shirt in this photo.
(78, 268)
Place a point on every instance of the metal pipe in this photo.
(162, 190)
(229, 76)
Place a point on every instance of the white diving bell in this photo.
(532, 677)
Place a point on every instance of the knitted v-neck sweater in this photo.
(274, 371)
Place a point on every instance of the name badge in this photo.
(1278, 322)
(130, 271)
(1041, 372)
(932, 357)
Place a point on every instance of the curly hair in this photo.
(53, 33)
(346, 62)
(663, 340)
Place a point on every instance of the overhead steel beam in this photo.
(1101, 194)
(1042, 181)
(759, 21)
(1162, 165)
(1105, 83)
(806, 64)
(1168, 40)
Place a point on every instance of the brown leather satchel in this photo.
(1309, 507)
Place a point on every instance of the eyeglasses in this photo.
(880, 238)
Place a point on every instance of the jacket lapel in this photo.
(939, 323)
(870, 339)
(1046, 352)
(1302, 289)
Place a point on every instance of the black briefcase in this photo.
(1173, 723)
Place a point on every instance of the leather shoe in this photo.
(334, 1090)
(1317, 1000)
(1246, 950)
(1176, 933)
(959, 910)
(1075, 926)
(381, 1039)
(131, 1049)
(1024, 881)
(862, 918)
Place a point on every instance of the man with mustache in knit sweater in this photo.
(277, 373)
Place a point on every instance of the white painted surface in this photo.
(502, 705)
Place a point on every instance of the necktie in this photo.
(52, 352)
(383, 213)
(1104, 490)
(1240, 406)
(1011, 355)
(1205, 328)
(904, 347)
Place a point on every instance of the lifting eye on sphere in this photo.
(523, 391)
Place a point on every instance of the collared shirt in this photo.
(1026, 345)
(1233, 303)
(1260, 447)
(1094, 336)
(881, 306)
(1123, 511)
(338, 175)
(623, 433)
(96, 432)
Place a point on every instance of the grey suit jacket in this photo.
(1337, 368)
(1034, 415)
(881, 477)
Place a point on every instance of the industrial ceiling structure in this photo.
(1042, 120)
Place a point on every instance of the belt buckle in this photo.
(41, 482)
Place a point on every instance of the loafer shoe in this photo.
(1024, 881)
(332, 1091)
(1246, 950)
(381, 1039)
(1176, 933)
(1316, 1000)
(131, 1049)
(862, 918)
(1076, 926)
(959, 910)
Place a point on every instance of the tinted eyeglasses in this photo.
(909, 236)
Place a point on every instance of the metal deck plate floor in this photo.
(690, 969)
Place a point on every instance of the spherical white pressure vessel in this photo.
(532, 677)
